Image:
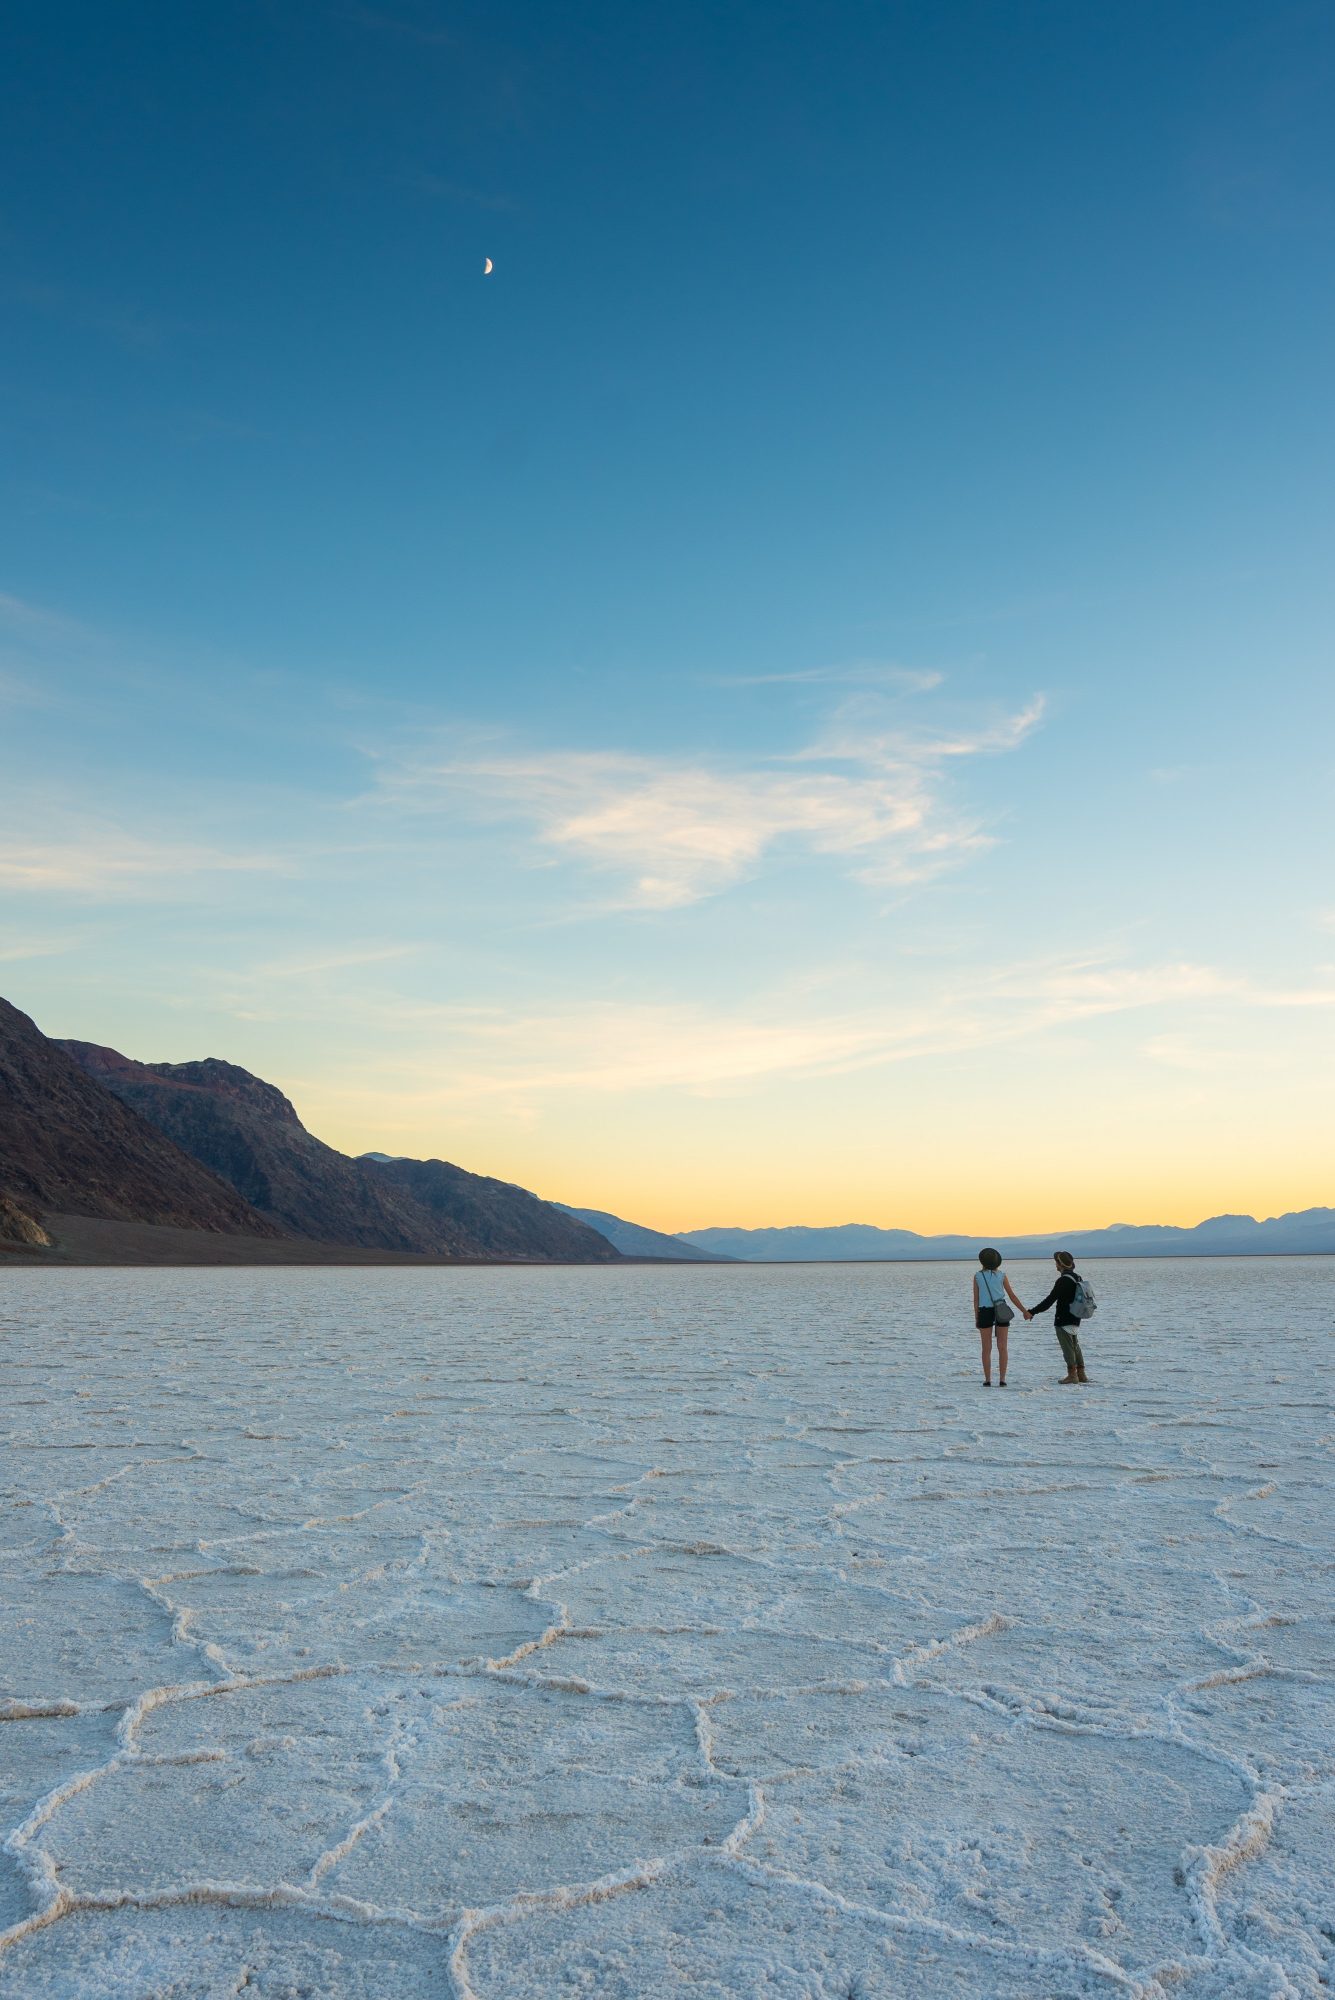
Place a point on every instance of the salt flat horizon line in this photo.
(958, 1257)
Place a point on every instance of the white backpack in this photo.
(1084, 1303)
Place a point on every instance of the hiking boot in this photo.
(1080, 1375)
(1068, 1378)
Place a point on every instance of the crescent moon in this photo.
(486, 267)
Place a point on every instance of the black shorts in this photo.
(987, 1316)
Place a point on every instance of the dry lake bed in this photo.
(374, 1635)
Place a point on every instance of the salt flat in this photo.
(624, 1632)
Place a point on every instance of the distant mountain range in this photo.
(1309, 1230)
(632, 1239)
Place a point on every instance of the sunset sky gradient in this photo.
(805, 696)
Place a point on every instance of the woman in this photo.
(991, 1289)
(1068, 1326)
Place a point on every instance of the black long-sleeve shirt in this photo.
(1061, 1296)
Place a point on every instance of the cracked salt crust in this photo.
(614, 1633)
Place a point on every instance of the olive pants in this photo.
(1069, 1336)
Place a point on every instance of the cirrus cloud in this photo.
(99, 867)
(677, 830)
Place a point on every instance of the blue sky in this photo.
(819, 660)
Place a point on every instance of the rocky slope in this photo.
(18, 1228)
(247, 1131)
(516, 1224)
(632, 1239)
(69, 1145)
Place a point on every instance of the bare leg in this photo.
(985, 1333)
(1002, 1333)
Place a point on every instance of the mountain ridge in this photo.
(1309, 1231)
(246, 1131)
(633, 1239)
(69, 1144)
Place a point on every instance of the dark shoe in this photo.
(1002, 1383)
(1069, 1379)
(1080, 1375)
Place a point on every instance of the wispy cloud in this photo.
(512, 1061)
(1197, 1058)
(1077, 991)
(322, 964)
(427, 34)
(127, 325)
(118, 865)
(11, 953)
(675, 831)
(16, 693)
(620, 1048)
(860, 733)
(20, 616)
(37, 644)
(858, 673)
(1093, 987)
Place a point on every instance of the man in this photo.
(1068, 1326)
